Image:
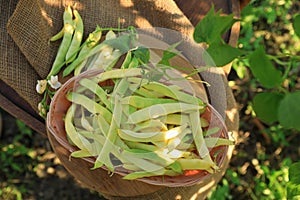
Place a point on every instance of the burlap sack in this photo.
(35, 21)
(27, 56)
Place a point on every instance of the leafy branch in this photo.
(276, 105)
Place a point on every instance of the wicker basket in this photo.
(55, 125)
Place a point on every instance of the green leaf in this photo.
(142, 54)
(219, 54)
(221, 192)
(266, 105)
(212, 26)
(293, 186)
(263, 69)
(296, 25)
(289, 109)
(169, 54)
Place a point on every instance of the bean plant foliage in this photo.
(261, 66)
(275, 104)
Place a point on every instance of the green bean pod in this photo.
(173, 93)
(58, 35)
(76, 39)
(212, 142)
(151, 136)
(90, 42)
(142, 102)
(195, 164)
(65, 44)
(90, 105)
(159, 110)
(96, 89)
(199, 138)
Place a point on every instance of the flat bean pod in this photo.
(150, 136)
(96, 89)
(72, 133)
(173, 93)
(142, 102)
(90, 42)
(76, 39)
(90, 105)
(58, 35)
(65, 44)
(103, 157)
(214, 142)
(159, 110)
(198, 137)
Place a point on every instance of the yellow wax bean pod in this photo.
(196, 164)
(81, 153)
(139, 137)
(211, 131)
(84, 122)
(150, 136)
(156, 124)
(174, 142)
(121, 87)
(142, 102)
(144, 164)
(176, 119)
(100, 139)
(103, 129)
(173, 93)
(160, 144)
(154, 157)
(138, 81)
(90, 105)
(90, 42)
(72, 133)
(159, 110)
(94, 145)
(175, 154)
(127, 110)
(117, 43)
(204, 122)
(103, 157)
(142, 174)
(199, 138)
(186, 146)
(140, 145)
(144, 92)
(96, 89)
(212, 142)
(131, 167)
(83, 57)
(127, 60)
(118, 73)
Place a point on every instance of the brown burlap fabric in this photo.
(26, 56)
(33, 22)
